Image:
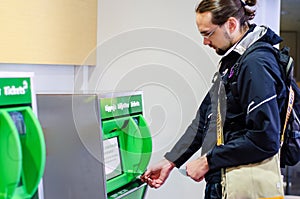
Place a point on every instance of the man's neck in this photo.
(237, 39)
(244, 29)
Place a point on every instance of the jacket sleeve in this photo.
(258, 83)
(192, 139)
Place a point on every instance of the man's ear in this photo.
(232, 24)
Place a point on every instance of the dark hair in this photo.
(223, 9)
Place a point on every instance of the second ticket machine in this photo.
(127, 144)
(22, 146)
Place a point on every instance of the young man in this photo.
(251, 110)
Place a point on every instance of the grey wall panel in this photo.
(74, 163)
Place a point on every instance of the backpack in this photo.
(290, 114)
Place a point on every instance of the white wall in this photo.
(268, 13)
(47, 78)
(154, 46)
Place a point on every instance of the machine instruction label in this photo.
(112, 158)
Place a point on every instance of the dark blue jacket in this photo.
(251, 110)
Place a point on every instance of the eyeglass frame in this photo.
(207, 36)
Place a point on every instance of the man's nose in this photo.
(206, 41)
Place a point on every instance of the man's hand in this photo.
(157, 174)
(196, 169)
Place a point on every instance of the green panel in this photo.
(34, 154)
(11, 156)
(15, 91)
(120, 128)
(32, 149)
(120, 106)
(135, 147)
(145, 136)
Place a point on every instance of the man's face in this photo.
(215, 36)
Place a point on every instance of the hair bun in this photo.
(249, 2)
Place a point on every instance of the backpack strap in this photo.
(286, 62)
(287, 69)
(288, 111)
(235, 69)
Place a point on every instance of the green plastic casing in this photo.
(135, 147)
(11, 156)
(23, 155)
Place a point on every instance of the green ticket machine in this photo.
(22, 146)
(127, 144)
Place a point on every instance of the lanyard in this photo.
(288, 111)
(220, 137)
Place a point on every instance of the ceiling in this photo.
(290, 15)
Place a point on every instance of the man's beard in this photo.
(220, 51)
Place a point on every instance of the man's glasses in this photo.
(209, 34)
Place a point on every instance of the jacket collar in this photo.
(254, 34)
